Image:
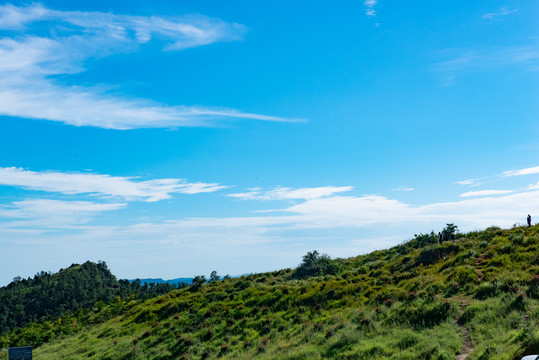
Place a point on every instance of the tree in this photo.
(422, 240)
(214, 276)
(448, 233)
(197, 282)
(314, 264)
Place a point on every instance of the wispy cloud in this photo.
(28, 59)
(284, 193)
(42, 216)
(403, 188)
(469, 182)
(486, 193)
(126, 188)
(369, 7)
(479, 60)
(509, 173)
(526, 171)
(38, 208)
(496, 16)
(355, 223)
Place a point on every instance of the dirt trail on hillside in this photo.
(467, 348)
(478, 261)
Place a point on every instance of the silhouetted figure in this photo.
(529, 219)
(440, 238)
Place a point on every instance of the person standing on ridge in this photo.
(440, 238)
(529, 219)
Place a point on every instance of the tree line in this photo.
(47, 296)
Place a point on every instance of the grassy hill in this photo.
(419, 300)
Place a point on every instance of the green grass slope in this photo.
(414, 301)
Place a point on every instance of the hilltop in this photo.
(419, 300)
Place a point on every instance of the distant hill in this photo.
(161, 281)
(474, 296)
(47, 296)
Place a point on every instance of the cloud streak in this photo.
(485, 193)
(480, 60)
(284, 193)
(39, 208)
(126, 188)
(496, 16)
(521, 172)
(28, 59)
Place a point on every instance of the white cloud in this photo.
(481, 60)
(369, 7)
(109, 29)
(43, 216)
(533, 186)
(469, 182)
(284, 193)
(251, 243)
(496, 16)
(126, 188)
(28, 60)
(527, 171)
(38, 208)
(403, 188)
(486, 193)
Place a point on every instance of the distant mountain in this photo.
(161, 281)
(176, 281)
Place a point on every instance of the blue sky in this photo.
(176, 138)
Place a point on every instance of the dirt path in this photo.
(467, 348)
(478, 261)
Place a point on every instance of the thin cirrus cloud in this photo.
(464, 61)
(284, 193)
(126, 188)
(496, 16)
(29, 58)
(509, 173)
(403, 188)
(486, 193)
(39, 208)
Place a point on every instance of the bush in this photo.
(434, 253)
(486, 290)
(314, 264)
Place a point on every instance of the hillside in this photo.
(47, 296)
(418, 300)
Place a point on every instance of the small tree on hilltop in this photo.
(214, 276)
(314, 264)
(449, 231)
(197, 282)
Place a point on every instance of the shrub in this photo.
(486, 290)
(533, 287)
(314, 264)
(434, 253)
